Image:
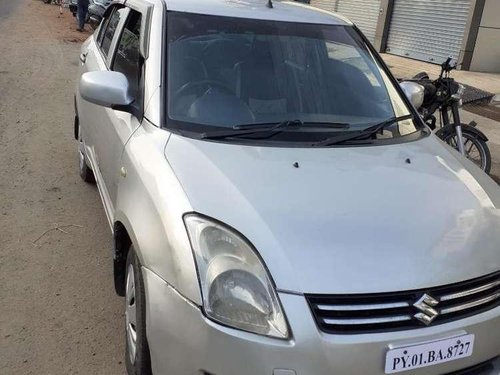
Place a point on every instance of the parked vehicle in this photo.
(444, 95)
(273, 197)
(95, 11)
(97, 8)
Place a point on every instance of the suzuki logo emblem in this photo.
(426, 305)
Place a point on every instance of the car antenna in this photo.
(270, 4)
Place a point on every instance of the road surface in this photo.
(7, 7)
(58, 311)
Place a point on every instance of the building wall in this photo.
(486, 55)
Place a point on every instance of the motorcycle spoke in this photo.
(473, 153)
(470, 148)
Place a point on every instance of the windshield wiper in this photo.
(361, 134)
(272, 128)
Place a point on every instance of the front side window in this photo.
(128, 57)
(225, 72)
(109, 31)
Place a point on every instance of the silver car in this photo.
(277, 205)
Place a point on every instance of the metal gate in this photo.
(428, 30)
(364, 13)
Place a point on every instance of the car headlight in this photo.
(236, 288)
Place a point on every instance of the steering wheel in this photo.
(190, 87)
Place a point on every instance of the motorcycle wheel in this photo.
(476, 150)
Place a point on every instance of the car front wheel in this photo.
(137, 357)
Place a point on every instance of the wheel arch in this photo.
(76, 125)
(149, 206)
(122, 242)
(123, 238)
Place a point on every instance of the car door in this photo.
(94, 119)
(117, 48)
(117, 126)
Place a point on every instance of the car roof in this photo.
(288, 11)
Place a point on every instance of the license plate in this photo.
(428, 354)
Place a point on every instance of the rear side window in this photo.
(109, 31)
(128, 58)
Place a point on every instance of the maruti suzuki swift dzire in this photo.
(277, 205)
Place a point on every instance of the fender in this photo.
(443, 132)
(146, 215)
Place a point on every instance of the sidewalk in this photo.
(403, 67)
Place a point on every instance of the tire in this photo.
(482, 158)
(137, 358)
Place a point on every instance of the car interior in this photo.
(262, 78)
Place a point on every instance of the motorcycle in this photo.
(445, 95)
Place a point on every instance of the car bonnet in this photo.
(349, 219)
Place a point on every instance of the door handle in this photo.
(83, 57)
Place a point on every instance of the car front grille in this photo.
(383, 312)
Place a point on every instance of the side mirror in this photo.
(414, 92)
(106, 88)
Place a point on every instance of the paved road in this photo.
(58, 310)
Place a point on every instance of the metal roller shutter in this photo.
(364, 13)
(328, 5)
(428, 30)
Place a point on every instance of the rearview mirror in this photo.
(107, 89)
(414, 92)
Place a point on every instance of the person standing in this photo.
(82, 10)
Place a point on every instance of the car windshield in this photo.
(227, 72)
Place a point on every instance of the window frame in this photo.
(145, 10)
(130, 10)
(98, 35)
(107, 58)
(138, 107)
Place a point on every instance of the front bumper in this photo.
(183, 341)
